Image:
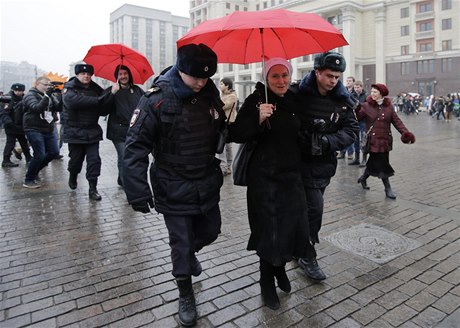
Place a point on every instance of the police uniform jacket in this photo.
(122, 105)
(276, 197)
(37, 107)
(12, 115)
(82, 108)
(381, 117)
(340, 127)
(180, 128)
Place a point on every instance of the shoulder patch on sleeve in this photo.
(134, 118)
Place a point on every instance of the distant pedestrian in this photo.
(379, 115)
(230, 100)
(12, 116)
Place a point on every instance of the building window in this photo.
(425, 66)
(446, 65)
(424, 7)
(265, 4)
(446, 4)
(404, 50)
(446, 45)
(425, 45)
(404, 12)
(447, 24)
(404, 30)
(237, 7)
(227, 5)
(405, 68)
(425, 26)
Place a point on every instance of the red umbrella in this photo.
(245, 37)
(107, 57)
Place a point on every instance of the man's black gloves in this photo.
(143, 207)
(319, 125)
(325, 145)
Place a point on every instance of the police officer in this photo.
(84, 101)
(11, 117)
(178, 120)
(329, 125)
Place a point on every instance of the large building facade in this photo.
(150, 31)
(411, 45)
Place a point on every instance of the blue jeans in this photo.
(45, 147)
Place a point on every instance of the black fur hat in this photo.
(18, 87)
(330, 60)
(80, 68)
(196, 60)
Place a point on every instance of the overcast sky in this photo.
(54, 33)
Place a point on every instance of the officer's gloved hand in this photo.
(319, 125)
(325, 145)
(144, 206)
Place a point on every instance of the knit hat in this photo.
(196, 60)
(81, 68)
(276, 61)
(382, 88)
(330, 60)
(18, 87)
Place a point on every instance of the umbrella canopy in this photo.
(105, 58)
(245, 37)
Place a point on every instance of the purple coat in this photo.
(381, 136)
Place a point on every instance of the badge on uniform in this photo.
(214, 113)
(134, 118)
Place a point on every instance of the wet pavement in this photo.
(66, 261)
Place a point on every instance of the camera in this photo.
(5, 99)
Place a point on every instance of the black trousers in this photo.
(189, 234)
(77, 154)
(315, 205)
(11, 142)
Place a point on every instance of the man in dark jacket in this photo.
(84, 102)
(360, 94)
(178, 120)
(11, 117)
(41, 105)
(124, 97)
(329, 125)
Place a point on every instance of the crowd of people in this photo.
(299, 131)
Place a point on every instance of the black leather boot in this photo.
(195, 266)
(9, 163)
(281, 277)
(73, 181)
(363, 180)
(187, 306)
(93, 194)
(388, 191)
(267, 285)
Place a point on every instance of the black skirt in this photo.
(378, 165)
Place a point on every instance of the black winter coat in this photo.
(188, 188)
(82, 108)
(36, 109)
(275, 195)
(122, 105)
(340, 128)
(12, 115)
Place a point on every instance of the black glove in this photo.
(319, 125)
(143, 207)
(49, 90)
(325, 145)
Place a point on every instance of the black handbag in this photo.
(241, 162)
(223, 135)
(365, 142)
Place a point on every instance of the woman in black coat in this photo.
(275, 194)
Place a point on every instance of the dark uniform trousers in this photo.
(189, 234)
(315, 205)
(11, 142)
(77, 153)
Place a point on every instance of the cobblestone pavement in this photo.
(66, 261)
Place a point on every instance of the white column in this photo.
(348, 31)
(380, 69)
